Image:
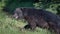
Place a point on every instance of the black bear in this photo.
(33, 20)
(38, 17)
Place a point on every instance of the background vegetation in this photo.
(9, 25)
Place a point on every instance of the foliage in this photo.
(49, 5)
(58, 9)
(12, 4)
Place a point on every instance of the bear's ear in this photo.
(23, 8)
